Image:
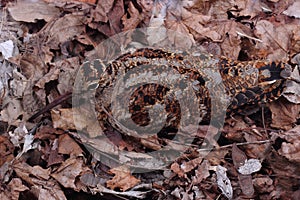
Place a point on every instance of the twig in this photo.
(247, 36)
(238, 144)
(51, 105)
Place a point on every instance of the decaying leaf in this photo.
(29, 11)
(7, 48)
(134, 19)
(13, 189)
(293, 10)
(67, 173)
(122, 179)
(274, 39)
(63, 118)
(284, 114)
(250, 166)
(12, 112)
(67, 145)
(292, 90)
(291, 147)
(202, 172)
(101, 11)
(59, 35)
(223, 182)
(240, 159)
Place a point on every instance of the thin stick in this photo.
(51, 105)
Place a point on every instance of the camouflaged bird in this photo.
(242, 84)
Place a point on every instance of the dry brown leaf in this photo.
(103, 7)
(202, 172)
(295, 42)
(179, 35)
(239, 158)
(218, 9)
(25, 170)
(67, 145)
(263, 184)
(175, 167)
(54, 158)
(47, 189)
(134, 19)
(64, 29)
(284, 114)
(63, 118)
(195, 23)
(291, 147)
(6, 150)
(216, 157)
(292, 87)
(67, 74)
(13, 190)
(275, 39)
(226, 33)
(248, 7)
(91, 180)
(54, 192)
(33, 68)
(50, 76)
(122, 179)
(47, 133)
(12, 112)
(30, 11)
(151, 143)
(146, 5)
(114, 15)
(185, 167)
(67, 173)
(285, 172)
(18, 84)
(190, 165)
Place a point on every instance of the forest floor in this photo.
(56, 155)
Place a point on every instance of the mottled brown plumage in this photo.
(239, 83)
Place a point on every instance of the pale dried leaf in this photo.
(28, 144)
(223, 182)
(157, 33)
(250, 166)
(18, 84)
(179, 35)
(249, 7)
(29, 11)
(131, 194)
(64, 29)
(50, 76)
(63, 118)
(7, 48)
(291, 147)
(293, 10)
(292, 90)
(12, 111)
(66, 174)
(36, 171)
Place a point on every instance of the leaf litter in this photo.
(42, 45)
